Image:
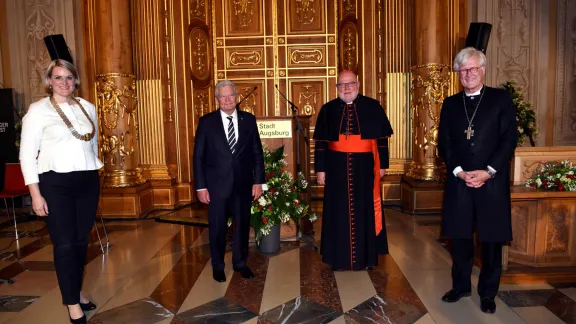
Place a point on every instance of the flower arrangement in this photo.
(556, 176)
(280, 200)
(525, 116)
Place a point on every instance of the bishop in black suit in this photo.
(476, 140)
(228, 174)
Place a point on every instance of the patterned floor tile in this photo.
(379, 310)
(526, 298)
(563, 307)
(143, 311)
(15, 303)
(221, 310)
(301, 310)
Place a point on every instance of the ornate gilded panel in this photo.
(246, 57)
(349, 46)
(255, 104)
(198, 9)
(201, 54)
(203, 102)
(308, 96)
(244, 17)
(306, 16)
(348, 7)
(300, 56)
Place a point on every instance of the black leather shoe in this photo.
(454, 295)
(219, 275)
(88, 306)
(487, 305)
(245, 272)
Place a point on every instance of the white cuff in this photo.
(201, 189)
(492, 169)
(457, 170)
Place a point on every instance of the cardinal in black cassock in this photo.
(351, 156)
(477, 138)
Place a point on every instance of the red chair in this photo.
(14, 186)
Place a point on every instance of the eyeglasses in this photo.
(59, 78)
(472, 70)
(350, 85)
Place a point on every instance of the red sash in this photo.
(355, 144)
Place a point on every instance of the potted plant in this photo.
(280, 202)
(557, 176)
(525, 116)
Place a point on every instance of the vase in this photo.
(271, 243)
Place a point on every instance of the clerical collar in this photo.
(351, 102)
(472, 95)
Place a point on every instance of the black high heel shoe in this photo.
(88, 306)
(81, 320)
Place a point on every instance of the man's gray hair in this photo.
(464, 55)
(222, 84)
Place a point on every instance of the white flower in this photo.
(287, 204)
(520, 130)
(265, 187)
(538, 182)
(313, 217)
(262, 201)
(229, 222)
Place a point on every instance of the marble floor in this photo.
(157, 272)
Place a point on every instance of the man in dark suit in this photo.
(476, 140)
(228, 174)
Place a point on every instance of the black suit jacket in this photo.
(216, 168)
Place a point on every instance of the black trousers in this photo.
(219, 209)
(463, 260)
(72, 200)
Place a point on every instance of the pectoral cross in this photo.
(469, 132)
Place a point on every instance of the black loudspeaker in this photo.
(478, 36)
(8, 151)
(57, 48)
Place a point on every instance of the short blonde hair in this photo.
(63, 64)
(464, 55)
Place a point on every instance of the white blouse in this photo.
(47, 144)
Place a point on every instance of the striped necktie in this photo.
(231, 135)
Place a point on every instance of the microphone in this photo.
(292, 105)
(246, 97)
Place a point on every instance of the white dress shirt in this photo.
(48, 145)
(458, 169)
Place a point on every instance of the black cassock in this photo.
(349, 240)
(493, 143)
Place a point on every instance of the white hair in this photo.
(464, 55)
(222, 84)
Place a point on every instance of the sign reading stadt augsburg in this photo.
(275, 129)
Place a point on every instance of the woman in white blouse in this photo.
(59, 159)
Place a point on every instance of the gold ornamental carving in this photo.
(282, 73)
(220, 42)
(305, 11)
(281, 40)
(348, 6)
(300, 56)
(198, 8)
(249, 105)
(245, 58)
(429, 101)
(308, 100)
(220, 75)
(118, 129)
(349, 54)
(243, 10)
(331, 39)
(430, 85)
(202, 103)
(200, 62)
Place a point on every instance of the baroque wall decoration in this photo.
(39, 23)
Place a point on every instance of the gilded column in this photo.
(429, 86)
(147, 26)
(116, 94)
